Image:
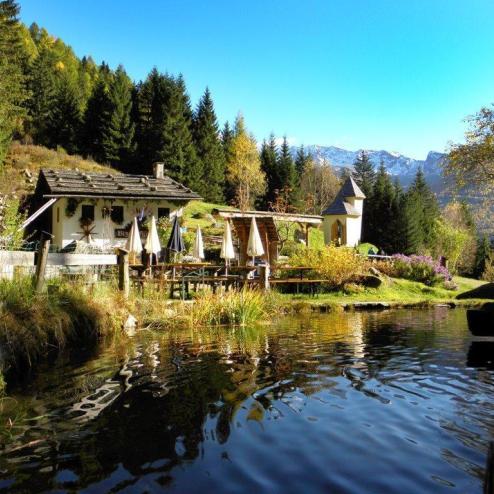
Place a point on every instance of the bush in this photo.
(336, 265)
(419, 268)
(488, 274)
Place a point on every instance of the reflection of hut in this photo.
(266, 223)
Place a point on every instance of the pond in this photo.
(396, 401)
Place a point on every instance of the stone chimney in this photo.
(159, 170)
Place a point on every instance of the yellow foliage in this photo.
(244, 167)
(60, 65)
(337, 265)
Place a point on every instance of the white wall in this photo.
(353, 228)
(66, 230)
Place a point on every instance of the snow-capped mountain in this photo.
(396, 164)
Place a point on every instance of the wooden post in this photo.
(44, 248)
(123, 272)
(489, 471)
(264, 276)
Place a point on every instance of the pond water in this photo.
(397, 401)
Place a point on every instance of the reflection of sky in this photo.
(339, 401)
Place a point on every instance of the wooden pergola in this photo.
(266, 223)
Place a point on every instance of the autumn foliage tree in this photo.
(244, 167)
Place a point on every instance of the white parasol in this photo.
(254, 246)
(134, 244)
(198, 252)
(227, 251)
(153, 245)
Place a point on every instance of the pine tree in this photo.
(12, 77)
(209, 150)
(269, 165)
(118, 133)
(364, 173)
(301, 160)
(42, 87)
(178, 151)
(96, 116)
(226, 143)
(427, 209)
(286, 170)
(379, 212)
(64, 120)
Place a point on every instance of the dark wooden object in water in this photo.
(480, 322)
(489, 471)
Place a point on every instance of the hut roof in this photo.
(73, 183)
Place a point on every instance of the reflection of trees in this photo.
(179, 389)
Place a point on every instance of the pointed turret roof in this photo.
(340, 206)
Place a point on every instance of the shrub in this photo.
(419, 268)
(236, 307)
(488, 274)
(336, 265)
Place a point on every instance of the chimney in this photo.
(159, 170)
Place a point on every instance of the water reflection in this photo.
(380, 402)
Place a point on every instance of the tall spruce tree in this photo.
(42, 87)
(269, 165)
(118, 132)
(301, 160)
(427, 208)
(96, 115)
(65, 119)
(12, 76)
(178, 151)
(378, 226)
(364, 173)
(286, 170)
(227, 135)
(209, 150)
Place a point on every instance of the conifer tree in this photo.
(269, 165)
(301, 160)
(118, 132)
(209, 150)
(427, 208)
(64, 120)
(96, 116)
(286, 170)
(226, 144)
(379, 212)
(364, 173)
(12, 77)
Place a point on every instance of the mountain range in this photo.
(396, 164)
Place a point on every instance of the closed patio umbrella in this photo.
(153, 245)
(198, 245)
(134, 244)
(254, 246)
(176, 242)
(227, 251)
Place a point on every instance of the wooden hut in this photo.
(266, 223)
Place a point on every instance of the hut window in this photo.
(58, 215)
(87, 212)
(163, 213)
(117, 214)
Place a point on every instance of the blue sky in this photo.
(399, 75)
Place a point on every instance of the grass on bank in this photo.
(394, 291)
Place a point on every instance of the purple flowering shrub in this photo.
(420, 268)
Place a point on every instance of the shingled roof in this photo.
(340, 206)
(73, 183)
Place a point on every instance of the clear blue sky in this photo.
(380, 74)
